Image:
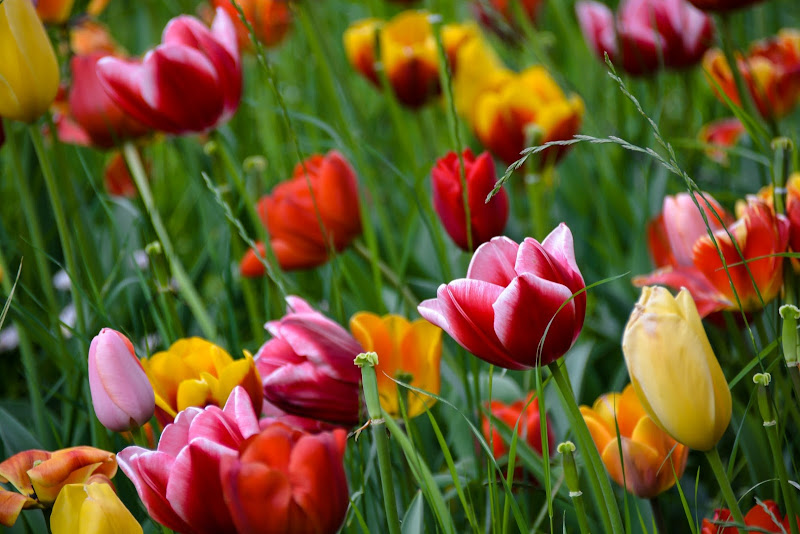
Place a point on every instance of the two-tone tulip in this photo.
(28, 71)
(154, 90)
(315, 210)
(307, 367)
(673, 369)
(520, 306)
(121, 393)
(721, 134)
(302, 488)
(271, 20)
(487, 219)
(652, 460)
(91, 508)
(524, 415)
(407, 351)
(645, 34)
(196, 372)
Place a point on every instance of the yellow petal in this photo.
(193, 392)
(91, 509)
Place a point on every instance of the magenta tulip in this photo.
(307, 367)
(192, 82)
(487, 219)
(121, 393)
(179, 483)
(512, 298)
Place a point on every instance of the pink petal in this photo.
(705, 295)
(214, 426)
(560, 245)
(240, 408)
(176, 435)
(329, 346)
(597, 25)
(493, 262)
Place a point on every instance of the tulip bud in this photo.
(790, 314)
(54, 11)
(674, 370)
(91, 509)
(121, 393)
(29, 69)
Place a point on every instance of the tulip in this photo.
(307, 367)
(39, 475)
(88, 37)
(54, 11)
(91, 509)
(689, 258)
(673, 369)
(487, 219)
(272, 414)
(117, 178)
(121, 394)
(29, 70)
(645, 34)
(771, 71)
(652, 460)
(478, 71)
(407, 351)
(284, 480)
(723, 133)
(793, 210)
(517, 308)
(722, 5)
(179, 483)
(295, 212)
(488, 11)
(270, 19)
(764, 515)
(190, 83)
(196, 372)
(526, 414)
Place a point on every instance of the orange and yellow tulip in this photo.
(407, 351)
(652, 459)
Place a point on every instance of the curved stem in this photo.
(725, 485)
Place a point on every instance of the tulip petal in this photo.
(240, 408)
(11, 504)
(15, 469)
(642, 464)
(256, 495)
(324, 343)
(493, 262)
(707, 298)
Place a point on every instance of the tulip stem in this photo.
(725, 485)
(745, 98)
(185, 285)
(601, 487)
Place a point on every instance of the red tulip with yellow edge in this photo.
(196, 372)
(653, 460)
(91, 508)
(271, 20)
(407, 351)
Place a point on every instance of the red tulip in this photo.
(285, 480)
(722, 5)
(724, 133)
(763, 515)
(529, 428)
(646, 32)
(179, 483)
(487, 220)
(192, 82)
(793, 210)
(511, 299)
(294, 211)
(117, 177)
(307, 367)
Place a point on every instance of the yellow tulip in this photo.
(28, 67)
(91, 509)
(409, 352)
(674, 370)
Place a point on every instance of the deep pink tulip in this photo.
(192, 82)
(512, 292)
(486, 219)
(179, 483)
(645, 34)
(121, 393)
(307, 367)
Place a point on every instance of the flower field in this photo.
(399, 266)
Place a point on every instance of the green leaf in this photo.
(14, 436)
(413, 520)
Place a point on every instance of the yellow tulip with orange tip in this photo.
(407, 351)
(652, 459)
(196, 372)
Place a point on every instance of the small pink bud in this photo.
(121, 393)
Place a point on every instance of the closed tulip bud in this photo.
(271, 20)
(489, 312)
(121, 394)
(91, 509)
(487, 219)
(674, 370)
(54, 11)
(28, 70)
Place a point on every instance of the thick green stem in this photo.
(725, 485)
(185, 286)
(567, 449)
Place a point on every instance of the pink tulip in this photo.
(192, 82)
(121, 393)
(179, 483)
(510, 297)
(307, 367)
(645, 34)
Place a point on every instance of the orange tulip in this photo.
(771, 70)
(54, 11)
(644, 447)
(294, 213)
(88, 37)
(723, 133)
(271, 20)
(529, 425)
(40, 475)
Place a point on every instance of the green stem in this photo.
(567, 449)
(745, 98)
(536, 189)
(658, 516)
(185, 285)
(389, 275)
(725, 485)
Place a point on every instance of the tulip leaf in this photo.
(15, 436)
(413, 520)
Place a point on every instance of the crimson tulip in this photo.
(517, 308)
(284, 480)
(191, 82)
(307, 367)
(646, 33)
(487, 219)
